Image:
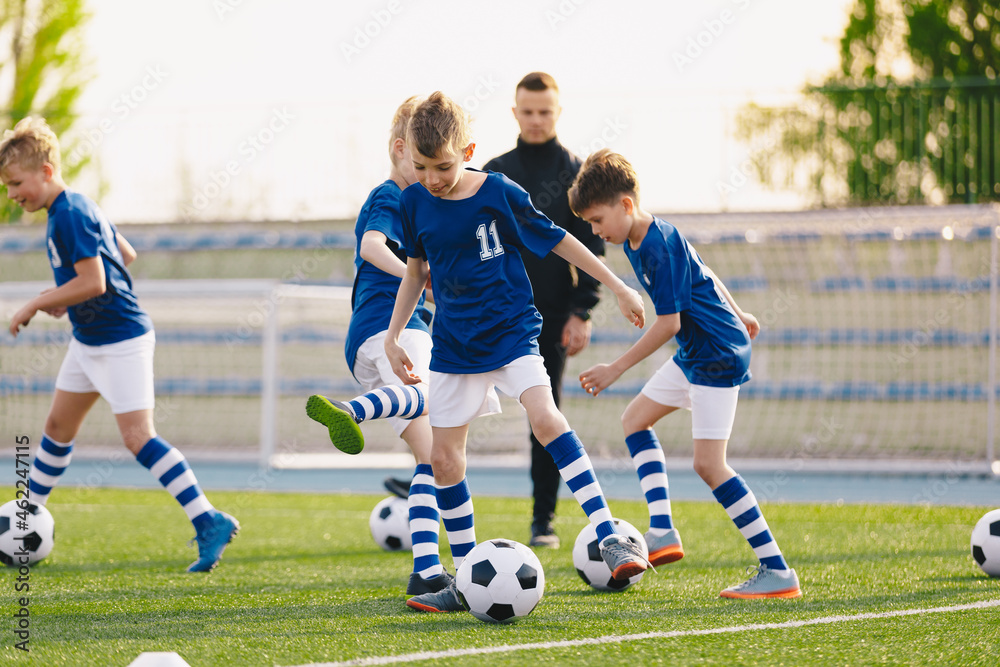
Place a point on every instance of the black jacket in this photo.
(547, 171)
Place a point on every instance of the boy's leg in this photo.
(662, 538)
(424, 516)
(455, 504)
(56, 448)
(773, 577)
(168, 465)
(553, 431)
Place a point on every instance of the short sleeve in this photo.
(80, 235)
(383, 213)
(669, 277)
(411, 240)
(532, 228)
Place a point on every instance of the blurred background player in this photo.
(712, 361)
(563, 296)
(379, 267)
(466, 230)
(111, 353)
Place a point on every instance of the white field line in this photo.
(455, 653)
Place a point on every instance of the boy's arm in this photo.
(126, 249)
(598, 378)
(748, 320)
(406, 300)
(375, 251)
(577, 254)
(88, 283)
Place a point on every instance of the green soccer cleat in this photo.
(417, 585)
(765, 583)
(345, 434)
(623, 557)
(664, 548)
(442, 601)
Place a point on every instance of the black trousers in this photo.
(545, 476)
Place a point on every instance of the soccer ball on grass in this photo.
(390, 524)
(986, 543)
(592, 568)
(25, 527)
(500, 581)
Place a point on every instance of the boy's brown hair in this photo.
(603, 178)
(536, 81)
(29, 145)
(438, 123)
(399, 122)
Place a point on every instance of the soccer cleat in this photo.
(543, 535)
(340, 420)
(765, 583)
(397, 487)
(665, 548)
(442, 601)
(623, 557)
(212, 541)
(419, 586)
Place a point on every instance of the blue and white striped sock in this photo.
(578, 473)
(403, 401)
(424, 523)
(647, 457)
(169, 466)
(51, 460)
(742, 507)
(455, 505)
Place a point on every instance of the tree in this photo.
(913, 115)
(43, 70)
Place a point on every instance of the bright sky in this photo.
(259, 109)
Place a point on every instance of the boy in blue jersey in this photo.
(712, 361)
(466, 229)
(111, 353)
(379, 267)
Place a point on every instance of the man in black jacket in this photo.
(563, 296)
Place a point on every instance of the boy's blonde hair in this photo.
(438, 123)
(400, 121)
(604, 177)
(29, 145)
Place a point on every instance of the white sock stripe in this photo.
(462, 536)
(649, 456)
(425, 549)
(432, 571)
(181, 482)
(367, 407)
(581, 465)
(169, 459)
(465, 509)
(197, 506)
(56, 442)
(600, 516)
(48, 458)
(43, 478)
(654, 481)
(659, 507)
(388, 392)
(767, 549)
(423, 499)
(422, 525)
(741, 506)
(587, 492)
(755, 527)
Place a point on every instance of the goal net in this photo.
(877, 347)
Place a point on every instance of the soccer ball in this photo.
(390, 524)
(592, 568)
(986, 543)
(25, 526)
(500, 581)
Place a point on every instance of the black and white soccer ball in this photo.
(986, 543)
(592, 568)
(26, 533)
(390, 524)
(500, 581)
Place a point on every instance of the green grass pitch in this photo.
(305, 583)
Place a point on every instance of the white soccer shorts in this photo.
(456, 399)
(713, 409)
(120, 372)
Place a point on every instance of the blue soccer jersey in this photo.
(77, 230)
(374, 294)
(714, 346)
(484, 316)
